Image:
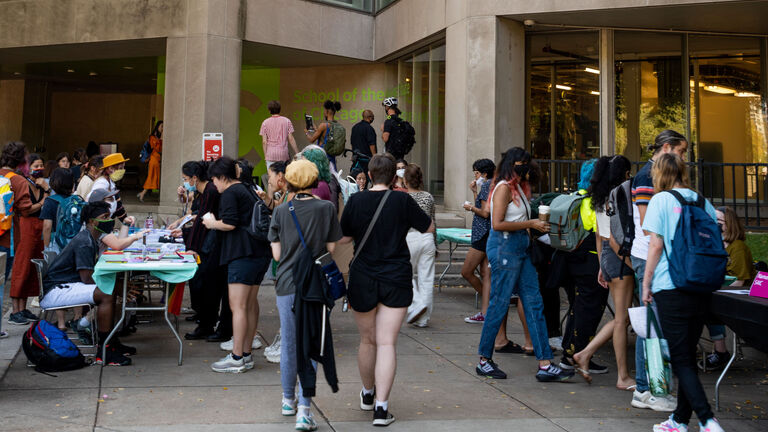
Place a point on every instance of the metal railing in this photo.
(741, 186)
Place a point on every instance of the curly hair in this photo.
(319, 158)
(609, 172)
(484, 166)
(14, 154)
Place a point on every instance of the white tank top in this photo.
(514, 213)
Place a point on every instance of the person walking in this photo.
(423, 248)
(380, 279)
(276, 133)
(321, 134)
(315, 227)
(511, 269)
(390, 129)
(681, 312)
(153, 172)
(246, 259)
(363, 138)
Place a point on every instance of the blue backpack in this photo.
(50, 350)
(146, 152)
(68, 222)
(698, 260)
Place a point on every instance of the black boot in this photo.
(219, 336)
(198, 333)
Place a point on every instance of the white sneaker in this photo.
(712, 425)
(248, 361)
(275, 345)
(556, 342)
(229, 364)
(289, 407)
(305, 423)
(648, 401)
(415, 314)
(228, 345)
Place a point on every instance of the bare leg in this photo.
(366, 352)
(474, 258)
(621, 291)
(105, 310)
(388, 322)
(19, 304)
(521, 315)
(61, 320)
(238, 302)
(501, 336)
(486, 294)
(252, 317)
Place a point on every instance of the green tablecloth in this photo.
(455, 235)
(105, 272)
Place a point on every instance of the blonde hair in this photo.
(734, 228)
(669, 170)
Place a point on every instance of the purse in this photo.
(657, 358)
(336, 284)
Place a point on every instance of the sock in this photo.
(303, 411)
(384, 405)
(483, 361)
(84, 322)
(246, 354)
(367, 392)
(236, 357)
(544, 367)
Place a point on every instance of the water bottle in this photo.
(149, 223)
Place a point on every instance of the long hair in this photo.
(506, 172)
(609, 172)
(197, 169)
(320, 159)
(156, 130)
(734, 228)
(669, 170)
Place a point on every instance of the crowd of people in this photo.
(390, 221)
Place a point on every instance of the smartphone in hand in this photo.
(309, 123)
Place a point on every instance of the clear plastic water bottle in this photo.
(149, 223)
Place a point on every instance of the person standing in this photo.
(246, 259)
(668, 141)
(423, 247)
(320, 230)
(391, 130)
(276, 133)
(363, 138)
(113, 170)
(681, 312)
(153, 173)
(380, 279)
(78, 159)
(91, 172)
(322, 131)
(511, 269)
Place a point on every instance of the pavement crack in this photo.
(322, 414)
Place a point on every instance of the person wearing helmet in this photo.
(393, 113)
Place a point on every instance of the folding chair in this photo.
(42, 270)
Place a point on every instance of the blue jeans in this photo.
(512, 273)
(8, 265)
(641, 378)
(288, 368)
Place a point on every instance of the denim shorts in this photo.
(247, 270)
(612, 266)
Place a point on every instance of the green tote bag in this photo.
(657, 361)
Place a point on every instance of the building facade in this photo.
(567, 79)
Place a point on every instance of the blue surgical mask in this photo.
(189, 187)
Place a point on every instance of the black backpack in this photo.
(621, 212)
(401, 138)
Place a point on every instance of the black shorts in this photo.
(480, 244)
(365, 293)
(247, 270)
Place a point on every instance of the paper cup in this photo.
(544, 213)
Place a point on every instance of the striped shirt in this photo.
(275, 130)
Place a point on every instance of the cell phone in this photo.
(308, 120)
(324, 259)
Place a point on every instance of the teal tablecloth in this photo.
(455, 235)
(105, 272)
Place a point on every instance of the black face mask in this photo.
(105, 226)
(522, 171)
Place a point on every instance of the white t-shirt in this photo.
(642, 242)
(84, 187)
(102, 183)
(515, 213)
(603, 223)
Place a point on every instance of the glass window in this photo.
(381, 4)
(363, 5)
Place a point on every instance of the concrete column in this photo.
(202, 87)
(607, 94)
(484, 99)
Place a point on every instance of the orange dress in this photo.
(153, 174)
(28, 244)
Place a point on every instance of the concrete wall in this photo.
(11, 109)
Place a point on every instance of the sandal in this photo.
(510, 348)
(529, 351)
(584, 374)
(627, 388)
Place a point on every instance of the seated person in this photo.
(109, 239)
(69, 280)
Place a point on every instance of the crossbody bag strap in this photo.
(370, 225)
(296, 222)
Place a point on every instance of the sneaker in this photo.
(415, 314)
(114, 358)
(420, 324)
(645, 400)
(566, 363)
(477, 318)
(289, 407)
(712, 425)
(123, 349)
(489, 369)
(715, 361)
(670, 425)
(248, 361)
(3, 334)
(229, 364)
(366, 401)
(556, 342)
(382, 417)
(553, 373)
(83, 333)
(228, 345)
(305, 423)
(29, 315)
(18, 318)
(274, 347)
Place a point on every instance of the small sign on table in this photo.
(760, 285)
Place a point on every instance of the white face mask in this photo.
(401, 172)
(479, 182)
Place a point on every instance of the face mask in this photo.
(522, 171)
(401, 172)
(24, 169)
(36, 173)
(117, 175)
(112, 208)
(105, 226)
(189, 187)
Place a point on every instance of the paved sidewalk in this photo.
(436, 387)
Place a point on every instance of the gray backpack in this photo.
(619, 208)
(566, 230)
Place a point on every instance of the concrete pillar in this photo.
(607, 94)
(202, 87)
(484, 98)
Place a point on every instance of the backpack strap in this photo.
(296, 222)
(699, 202)
(370, 225)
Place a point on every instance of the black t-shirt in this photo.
(79, 254)
(235, 208)
(48, 212)
(363, 137)
(385, 256)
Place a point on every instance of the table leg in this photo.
(725, 371)
(117, 325)
(168, 320)
(451, 249)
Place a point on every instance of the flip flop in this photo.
(584, 374)
(529, 351)
(510, 348)
(628, 388)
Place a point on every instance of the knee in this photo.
(366, 339)
(467, 272)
